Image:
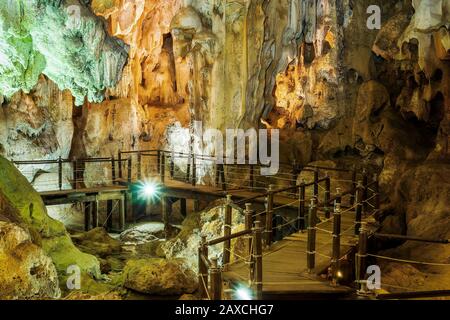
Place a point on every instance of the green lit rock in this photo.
(21, 204)
(62, 39)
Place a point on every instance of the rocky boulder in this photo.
(208, 223)
(20, 203)
(26, 272)
(159, 277)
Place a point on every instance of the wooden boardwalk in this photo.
(285, 267)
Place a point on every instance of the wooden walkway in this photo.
(285, 272)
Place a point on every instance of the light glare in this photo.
(243, 294)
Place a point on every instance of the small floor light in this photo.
(243, 294)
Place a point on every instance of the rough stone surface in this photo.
(159, 277)
(63, 40)
(22, 204)
(208, 223)
(26, 272)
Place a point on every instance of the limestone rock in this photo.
(26, 272)
(22, 204)
(63, 40)
(208, 223)
(97, 242)
(159, 277)
(146, 232)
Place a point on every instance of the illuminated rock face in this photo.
(26, 272)
(63, 40)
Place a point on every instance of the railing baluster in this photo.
(194, 170)
(227, 230)
(361, 257)
(60, 173)
(301, 209)
(130, 167)
(365, 191)
(139, 166)
(294, 174)
(113, 170)
(336, 242)
(376, 192)
(216, 281)
(75, 174)
(202, 269)
(269, 216)
(354, 185)
(316, 183)
(327, 196)
(172, 166)
(162, 169)
(257, 257)
(359, 206)
(248, 225)
(311, 250)
(120, 164)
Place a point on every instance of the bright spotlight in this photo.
(243, 294)
(339, 274)
(149, 190)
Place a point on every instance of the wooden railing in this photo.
(365, 195)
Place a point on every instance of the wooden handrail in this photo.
(230, 237)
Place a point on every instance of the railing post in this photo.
(75, 174)
(162, 169)
(165, 214)
(95, 213)
(139, 166)
(188, 169)
(87, 216)
(113, 170)
(359, 206)
(336, 256)
(365, 191)
(129, 169)
(216, 281)
(327, 196)
(194, 170)
(223, 177)
(252, 176)
(311, 250)
(354, 185)
(248, 243)
(361, 258)
(60, 173)
(119, 158)
(316, 183)
(122, 211)
(294, 173)
(269, 216)
(257, 258)
(227, 230)
(109, 214)
(202, 269)
(172, 165)
(158, 161)
(301, 208)
(376, 192)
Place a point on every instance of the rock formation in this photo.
(342, 94)
(22, 205)
(63, 40)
